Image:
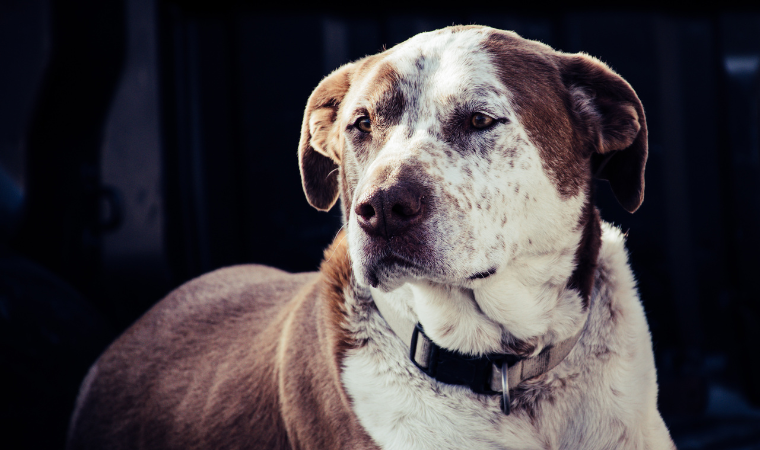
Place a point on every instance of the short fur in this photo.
(486, 236)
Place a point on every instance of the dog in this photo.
(473, 299)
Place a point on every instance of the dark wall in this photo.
(145, 142)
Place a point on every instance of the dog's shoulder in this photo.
(223, 361)
(218, 310)
(249, 294)
(186, 373)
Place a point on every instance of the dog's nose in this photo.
(391, 210)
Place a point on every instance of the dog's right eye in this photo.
(363, 124)
(482, 121)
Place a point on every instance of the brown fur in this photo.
(565, 98)
(241, 358)
(616, 129)
(587, 254)
(529, 70)
(251, 357)
(315, 152)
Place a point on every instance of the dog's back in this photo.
(202, 369)
(151, 388)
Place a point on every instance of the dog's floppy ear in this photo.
(318, 151)
(614, 122)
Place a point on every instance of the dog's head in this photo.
(460, 151)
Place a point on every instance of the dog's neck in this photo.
(536, 301)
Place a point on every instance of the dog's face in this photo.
(461, 152)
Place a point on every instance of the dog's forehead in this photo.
(454, 65)
(449, 59)
(431, 83)
(442, 66)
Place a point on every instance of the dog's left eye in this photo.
(364, 124)
(482, 121)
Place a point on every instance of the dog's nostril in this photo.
(403, 210)
(366, 211)
(408, 203)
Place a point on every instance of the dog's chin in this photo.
(389, 272)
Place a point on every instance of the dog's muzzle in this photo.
(393, 215)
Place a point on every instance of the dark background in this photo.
(144, 142)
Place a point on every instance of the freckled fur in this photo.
(547, 261)
(511, 257)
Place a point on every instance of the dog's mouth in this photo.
(482, 275)
(389, 262)
(391, 268)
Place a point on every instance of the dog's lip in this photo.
(398, 251)
(386, 261)
(391, 258)
(482, 275)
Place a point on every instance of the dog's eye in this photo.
(482, 121)
(364, 124)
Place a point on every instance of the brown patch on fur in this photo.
(386, 96)
(587, 253)
(579, 113)
(244, 357)
(315, 407)
(319, 149)
(529, 70)
(382, 101)
(611, 119)
(321, 146)
(338, 276)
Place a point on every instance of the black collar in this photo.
(493, 374)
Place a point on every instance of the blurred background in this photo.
(144, 142)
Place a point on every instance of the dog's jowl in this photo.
(475, 299)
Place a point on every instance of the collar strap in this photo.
(493, 374)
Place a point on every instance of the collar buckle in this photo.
(426, 351)
(506, 400)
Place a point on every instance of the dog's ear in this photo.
(614, 122)
(318, 151)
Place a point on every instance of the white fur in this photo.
(499, 212)
(610, 385)
(533, 252)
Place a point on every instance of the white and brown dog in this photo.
(474, 300)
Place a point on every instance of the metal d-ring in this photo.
(505, 400)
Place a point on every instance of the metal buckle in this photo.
(430, 369)
(413, 344)
(505, 400)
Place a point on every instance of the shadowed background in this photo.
(144, 142)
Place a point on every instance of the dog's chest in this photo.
(401, 408)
